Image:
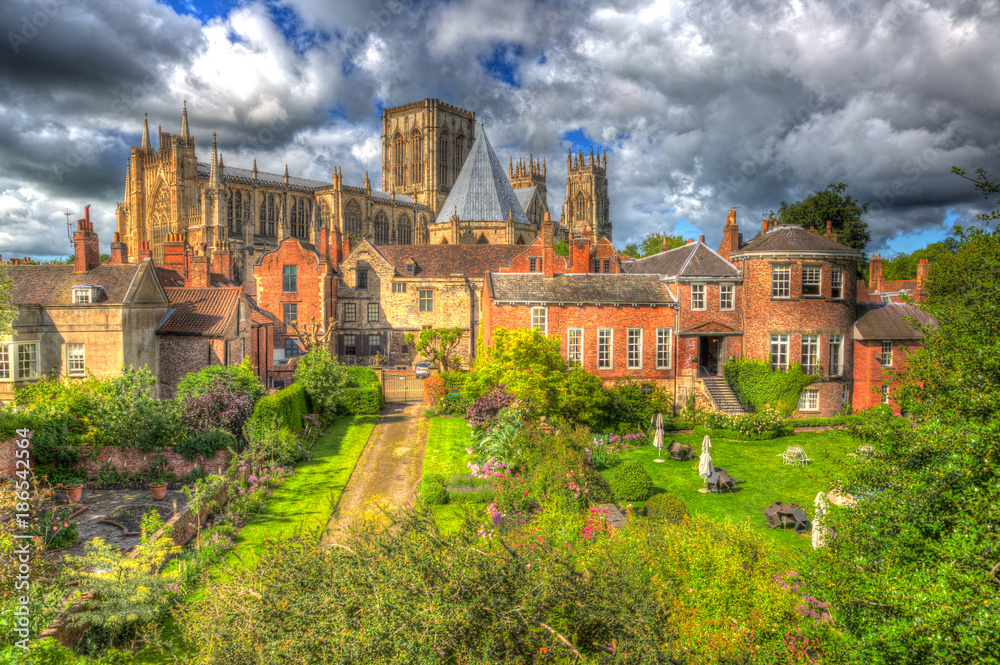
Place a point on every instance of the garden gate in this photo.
(402, 387)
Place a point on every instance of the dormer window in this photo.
(84, 295)
(410, 267)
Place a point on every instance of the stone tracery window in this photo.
(416, 157)
(381, 228)
(459, 153)
(405, 230)
(352, 219)
(443, 158)
(324, 213)
(262, 220)
(237, 211)
(398, 160)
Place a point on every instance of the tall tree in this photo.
(652, 243)
(7, 311)
(835, 205)
(438, 345)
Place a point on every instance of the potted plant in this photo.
(74, 489)
(158, 478)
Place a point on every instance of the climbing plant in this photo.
(756, 384)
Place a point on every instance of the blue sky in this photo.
(700, 106)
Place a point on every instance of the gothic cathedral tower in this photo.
(424, 145)
(587, 195)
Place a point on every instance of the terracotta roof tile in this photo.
(200, 311)
(53, 285)
(446, 260)
(888, 321)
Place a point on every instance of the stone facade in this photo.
(587, 204)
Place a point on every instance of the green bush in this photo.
(815, 422)
(453, 402)
(631, 406)
(433, 494)
(206, 444)
(757, 385)
(284, 408)
(240, 376)
(666, 506)
(363, 401)
(437, 478)
(766, 424)
(360, 377)
(630, 482)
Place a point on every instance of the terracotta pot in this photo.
(74, 493)
(159, 491)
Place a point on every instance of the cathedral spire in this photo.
(213, 174)
(368, 183)
(286, 173)
(185, 131)
(569, 158)
(254, 168)
(145, 145)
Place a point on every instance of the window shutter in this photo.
(362, 344)
(340, 345)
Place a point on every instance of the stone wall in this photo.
(134, 461)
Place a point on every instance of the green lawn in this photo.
(303, 502)
(445, 454)
(767, 478)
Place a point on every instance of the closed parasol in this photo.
(657, 422)
(705, 461)
(819, 531)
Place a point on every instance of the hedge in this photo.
(363, 401)
(733, 435)
(286, 407)
(360, 377)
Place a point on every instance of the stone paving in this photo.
(101, 502)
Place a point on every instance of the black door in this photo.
(709, 355)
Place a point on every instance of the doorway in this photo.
(710, 352)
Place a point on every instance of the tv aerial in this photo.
(69, 225)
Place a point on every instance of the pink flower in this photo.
(55, 528)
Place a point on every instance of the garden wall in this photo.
(134, 461)
(8, 466)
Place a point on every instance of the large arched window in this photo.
(270, 214)
(237, 210)
(459, 153)
(352, 219)
(381, 228)
(580, 207)
(398, 160)
(405, 231)
(229, 213)
(443, 158)
(262, 221)
(416, 157)
(324, 213)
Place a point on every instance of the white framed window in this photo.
(811, 276)
(82, 295)
(540, 319)
(810, 353)
(781, 281)
(809, 400)
(846, 396)
(664, 347)
(837, 282)
(697, 296)
(885, 394)
(4, 362)
(886, 298)
(25, 359)
(427, 301)
(634, 355)
(836, 355)
(779, 351)
(574, 345)
(75, 359)
(886, 356)
(726, 296)
(605, 347)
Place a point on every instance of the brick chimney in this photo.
(119, 252)
(875, 274)
(86, 253)
(198, 277)
(764, 229)
(830, 235)
(580, 254)
(173, 253)
(701, 239)
(923, 272)
(222, 260)
(323, 243)
(145, 252)
(548, 246)
(730, 236)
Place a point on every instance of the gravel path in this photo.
(388, 471)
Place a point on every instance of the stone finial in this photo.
(185, 131)
(145, 145)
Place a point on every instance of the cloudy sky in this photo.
(701, 106)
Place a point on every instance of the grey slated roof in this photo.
(888, 321)
(794, 238)
(232, 171)
(604, 288)
(482, 191)
(691, 261)
(524, 196)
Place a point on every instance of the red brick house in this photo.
(892, 290)
(295, 283)
(205, 326)
(884, 336)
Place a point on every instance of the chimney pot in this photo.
(701, 238)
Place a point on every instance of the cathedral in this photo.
(442, 183)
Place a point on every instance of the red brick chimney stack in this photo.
(198, 279)
(830, 235)
(173, 253)
(86, 252)
(548, 246)
(701, 239)
(923, 271)
(875, 274)
(145, 252)
(222, 259)
(580, 254)
(730, 236)
(323, 244)
(119, 252)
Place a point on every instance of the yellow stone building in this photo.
(441, 183)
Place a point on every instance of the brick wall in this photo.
(870, 375)
(134, 461)
(8, 457)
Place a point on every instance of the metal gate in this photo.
(402, 388)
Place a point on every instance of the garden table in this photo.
(794, 455)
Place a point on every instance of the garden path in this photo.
(388, 472)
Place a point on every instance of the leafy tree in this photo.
(313, 334)
(562, 248)
(914, 569)
(438, 345)
(583, 399)
(241, 378)
(132, 418)
(835, 205)
(904, 266)
(527, 363)
(7, 311)
(652, 244)
(323, 377)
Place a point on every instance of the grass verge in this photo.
(444, 454)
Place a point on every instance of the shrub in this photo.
(363, 401)
(766, 424)
(630, 482)
(323, 378)
(439, 479)
(757, 385)
(666, 506)
(471, 494)
(360, 377)
(284, 408)
(206, 443)
(499, 442)
(240, 377)
(631, 406)
(433, 494)
(485, 409)
(433, 390)
(224, 404)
